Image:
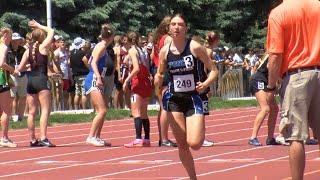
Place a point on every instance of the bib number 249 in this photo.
(184, 83)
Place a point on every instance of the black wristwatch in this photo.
(270, 88)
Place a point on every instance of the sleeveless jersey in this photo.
(262, 72)
(140, 83)
(39, 65)
(124, 69)
(90, 81)
(184, 71)
(4, 80)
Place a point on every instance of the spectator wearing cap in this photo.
(19, 91)
(61, 56)
(79, 66)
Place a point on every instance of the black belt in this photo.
(298, 70)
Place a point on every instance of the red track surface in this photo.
(231, 157)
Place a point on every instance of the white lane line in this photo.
(143, 154)
(212, 114)
(128, 124)
(246, 165)
(204, 157)
(305, 174)
(169, 164)
(103, 149)
(104, 133)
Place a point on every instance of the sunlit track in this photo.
(120, 158)
(86, 151)
(128, 130)
(107, 126)
(73, 159)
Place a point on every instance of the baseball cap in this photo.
(150, 45)
(57, 37)
(16, 36)
(78, 42)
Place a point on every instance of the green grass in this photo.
(113, 114)
(219, 103)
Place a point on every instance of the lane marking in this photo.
(103, 149)
(103, 133)
(213, 113)
(305, 174)
(246, 165)
(52, 162)
(236, 160)
(142, 161)
(138, 155)
(128, 124)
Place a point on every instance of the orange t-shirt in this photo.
(294, 31)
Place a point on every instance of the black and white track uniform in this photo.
(259, 80)
(183, 74)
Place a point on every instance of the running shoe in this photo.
(271, 141)
(46, 142)
(95, 141)
(134, 143)
(146, 143)
(282, 141)
(254, 142)
(311, 142)
(168, 143)
(4, 142)
(35, 143)
(103, 141)
(207, 143)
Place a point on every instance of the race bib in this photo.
(260, 85)
(133, 98)
(188, 61)
(183, 83)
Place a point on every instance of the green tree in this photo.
(241, 23)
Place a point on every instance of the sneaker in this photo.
(146, 143)
(207, 143)
(95, 141)
(4, 142)
(35, 143)
(168, 143)
(272, 141)
(103, 141)
(282, 141)
(20, 118)
(46, 142)
(254, 142)
(311, 142)
(15, 118)
(134, 143)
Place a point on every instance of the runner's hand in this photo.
(34, 24)
(200, 86)
(125, 86)
(99, 83)
(158, 80)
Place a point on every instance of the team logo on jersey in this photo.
(260, 85)
(188, 61)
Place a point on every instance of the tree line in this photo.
(240, 22)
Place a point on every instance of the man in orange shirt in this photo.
(293, 42)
